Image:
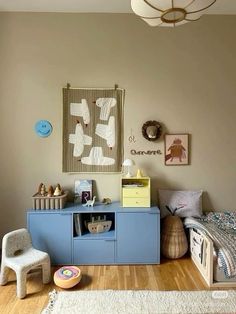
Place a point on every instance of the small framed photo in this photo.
(176, 149)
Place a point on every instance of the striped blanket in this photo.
(221, 228)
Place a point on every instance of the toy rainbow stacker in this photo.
(67, 276)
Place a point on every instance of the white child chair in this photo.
(19, 255)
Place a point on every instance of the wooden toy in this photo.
(90, 203)
(43, 191)
(50, 191)
(99, 225)
(39, 188)
(58, 190)
(106, 201)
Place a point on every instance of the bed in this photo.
(213, 247)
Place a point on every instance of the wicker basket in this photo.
(173, 238)
(46, 202)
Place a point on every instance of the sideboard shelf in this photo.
(134, 237)
(97, 236)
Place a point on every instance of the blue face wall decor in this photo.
(43, 128)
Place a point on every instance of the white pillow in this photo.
(188, 203)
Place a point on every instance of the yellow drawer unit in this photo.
(135, 192)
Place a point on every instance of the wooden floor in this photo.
(178, 274)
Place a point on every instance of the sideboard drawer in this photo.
(136, 202)
(136, 192)
(94, 252)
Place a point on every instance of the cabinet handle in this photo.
(109, 240)
(65, 214)
(152, 213)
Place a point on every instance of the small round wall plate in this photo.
(43, 128)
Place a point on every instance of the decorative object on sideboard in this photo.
(106, 201)
(43, 191)
(176, 149)
(43, 128)
(83, 191)
(49, 199)
(90, 203)
(174, 242)
(99, 225)
(128, 163)
(50, 191)
(139, 174)
(151, 130)
(58, 190)
(39, 188)
(170, 13)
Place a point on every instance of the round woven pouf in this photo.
(67, 276)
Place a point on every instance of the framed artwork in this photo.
(83, 191)
(86, 196)
(92, 129)
(176, 149)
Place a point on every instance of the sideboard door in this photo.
(52, 233)
(138, 236)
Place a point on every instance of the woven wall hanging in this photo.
(92, 129)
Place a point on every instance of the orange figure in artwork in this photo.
(177, 150)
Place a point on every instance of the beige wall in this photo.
(184, 77)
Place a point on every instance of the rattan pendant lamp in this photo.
(170, 13)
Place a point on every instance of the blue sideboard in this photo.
(134, 237)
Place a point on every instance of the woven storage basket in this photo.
(174, 242)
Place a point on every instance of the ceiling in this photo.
(96, 6)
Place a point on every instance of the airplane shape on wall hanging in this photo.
(81, 110)
(107, 131)
(105, 104)
(79, 139)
